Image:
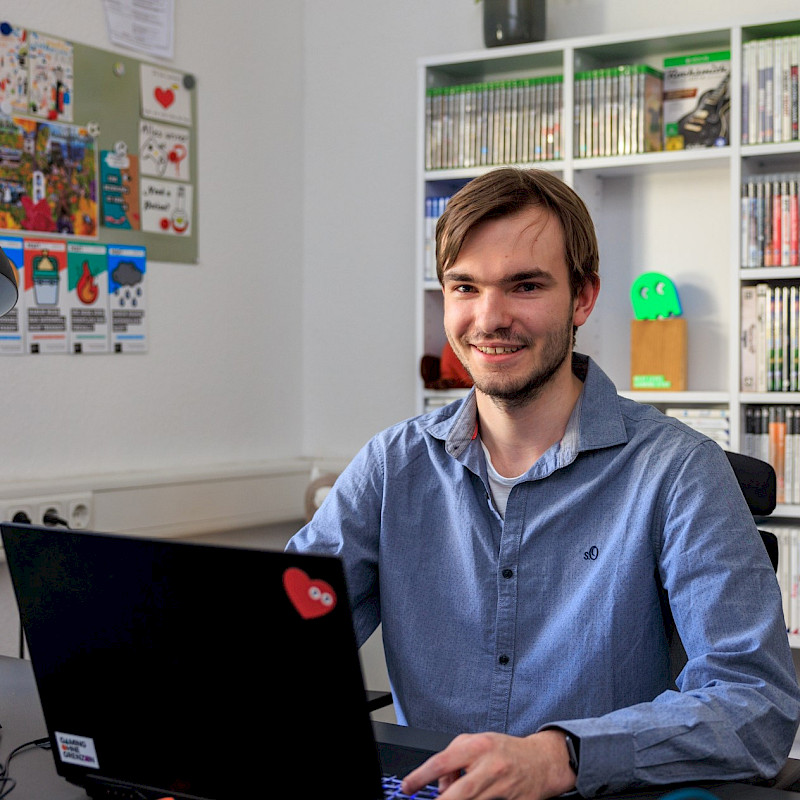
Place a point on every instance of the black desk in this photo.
(34, 770)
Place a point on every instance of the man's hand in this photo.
(487, 766)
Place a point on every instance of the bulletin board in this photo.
(96, 146)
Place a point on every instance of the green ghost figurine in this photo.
(654, 296)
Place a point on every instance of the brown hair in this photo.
(507, 190)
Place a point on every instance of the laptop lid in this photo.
(190, 670)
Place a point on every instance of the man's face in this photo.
(508, 308)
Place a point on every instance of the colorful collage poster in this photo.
(13, 70)
(51, 78)
(46, 305)
(12, 331)
(48, 178)
(127, 268)
(87, 284)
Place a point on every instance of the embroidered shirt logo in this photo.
(591, 554)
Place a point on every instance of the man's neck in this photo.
(516, 437)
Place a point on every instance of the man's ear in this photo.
(585, 299)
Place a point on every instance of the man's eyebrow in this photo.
(535, 273)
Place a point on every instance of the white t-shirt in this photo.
(499, 485)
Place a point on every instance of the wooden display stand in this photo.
(659, 352)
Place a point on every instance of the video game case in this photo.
(697, 100)
(649, 105)
(617, 111)
(749, 348)
(770, 235)
(770, 90)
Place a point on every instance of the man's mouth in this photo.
(496, 351)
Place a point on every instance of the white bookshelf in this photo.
(675, 212)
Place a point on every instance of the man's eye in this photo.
(528, 287)
(462, 288)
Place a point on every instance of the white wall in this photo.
(220, 393)
(222, 382)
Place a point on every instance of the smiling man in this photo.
(528, 548)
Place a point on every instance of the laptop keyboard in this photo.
(392, 791)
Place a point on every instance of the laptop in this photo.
(183, 670)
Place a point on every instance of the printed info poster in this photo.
(88, 298)
(12, 330)
(45, 295)
(127, 267)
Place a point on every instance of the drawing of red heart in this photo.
(166, 97)
(311, 597)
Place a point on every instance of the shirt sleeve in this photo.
(735, 710)
(347, 525)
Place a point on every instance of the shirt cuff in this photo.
(607, 758)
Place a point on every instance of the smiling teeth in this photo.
(498, 350)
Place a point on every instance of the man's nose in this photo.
(493, 312)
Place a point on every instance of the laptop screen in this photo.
(192, 670)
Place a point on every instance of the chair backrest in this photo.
(758, 483)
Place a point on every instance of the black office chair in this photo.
(758, 483)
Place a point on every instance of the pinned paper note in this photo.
(165, 95)
(654, 296)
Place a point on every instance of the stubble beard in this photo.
(507, 393)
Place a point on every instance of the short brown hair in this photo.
(507, 190)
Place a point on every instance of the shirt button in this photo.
(508, 573)
(504, 659)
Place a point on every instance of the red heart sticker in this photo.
(311, 597)
(166, 97)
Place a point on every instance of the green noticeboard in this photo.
(97, 145)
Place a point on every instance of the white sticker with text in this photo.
(77, 750)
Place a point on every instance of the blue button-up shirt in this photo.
(555, 614)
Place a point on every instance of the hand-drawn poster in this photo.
(45, 295)
(119, 189)
(127, 298)
(166, 95)
(164, 151)
(12, 330)
(48, 177)
(87, 284)
(13, 69)
(51, 78)
(165, 207)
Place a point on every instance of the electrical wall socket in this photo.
(74, 509)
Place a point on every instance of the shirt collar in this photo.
(602, 425)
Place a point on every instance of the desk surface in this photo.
(22, 721)
(35, 773)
